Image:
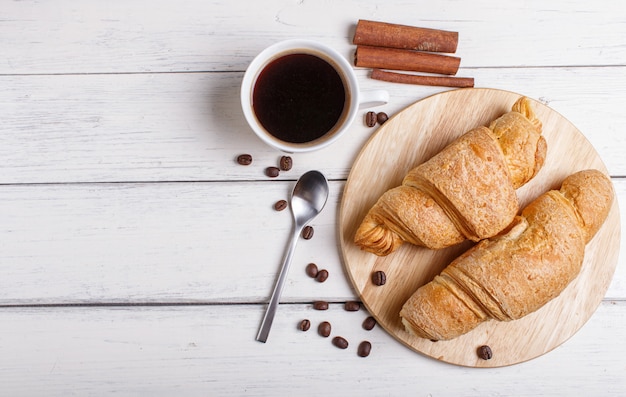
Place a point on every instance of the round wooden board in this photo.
(412, 137)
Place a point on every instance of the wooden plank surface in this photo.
(119, 126)
(166, 242)
(210, 350)
(189, 127)
(144, 36)
(146, 243)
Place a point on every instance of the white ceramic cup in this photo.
(355, 99)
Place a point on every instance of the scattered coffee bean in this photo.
(286, 163)
(379, 277)
(272, 172)
(324, 329)
(484, 352)
(370, 119)
(244, 159)
(381, 117)
(320, 305)
(311, 270)
(280, 205)
(304, 325)
(352, 306)
(307, 232)
(364, 349)
(340, 342)
(369, 323)
(322, 276)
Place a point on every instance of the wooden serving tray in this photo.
(412, 137)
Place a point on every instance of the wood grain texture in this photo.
(167, 36)
(119, 192)
(144, 243)
(165, 242)
(210, 350)
(412, 137)
(189, 127)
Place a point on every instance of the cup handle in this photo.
(373, 98)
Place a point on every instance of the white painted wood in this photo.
(171, 36)
(169, 242)
(210, 350)
(189, 127)
(175, 242)
(119, 126)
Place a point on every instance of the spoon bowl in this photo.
(307, 200)
(309, 197)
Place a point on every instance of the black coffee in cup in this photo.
(299, 97)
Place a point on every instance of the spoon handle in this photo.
(278, 288)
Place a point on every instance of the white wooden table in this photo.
(136, 255)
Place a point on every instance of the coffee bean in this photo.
(352, 306)
(381, 117)
(244, 159)
(370, 119)
(280, 205)
(311, 270)
(340, 342)
(304, 325)
(307, 232)
(322, 276)
(364, 349)
(484, 352)
(324, 329)
(320, 305)
(379, 277)
(272, 172)
(286, 163)
(369, 323)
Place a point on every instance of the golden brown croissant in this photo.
(466, 191)
(516, 273)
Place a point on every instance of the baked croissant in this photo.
(466, 191)
(516, 273)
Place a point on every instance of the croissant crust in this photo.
(466, 191)
(514, 274)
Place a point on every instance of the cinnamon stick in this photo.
(382, 34)
(396, 59)
(439, 81)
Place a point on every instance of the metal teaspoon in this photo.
(307, 200)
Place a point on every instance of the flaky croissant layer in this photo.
(512, 275)
(466, 191)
